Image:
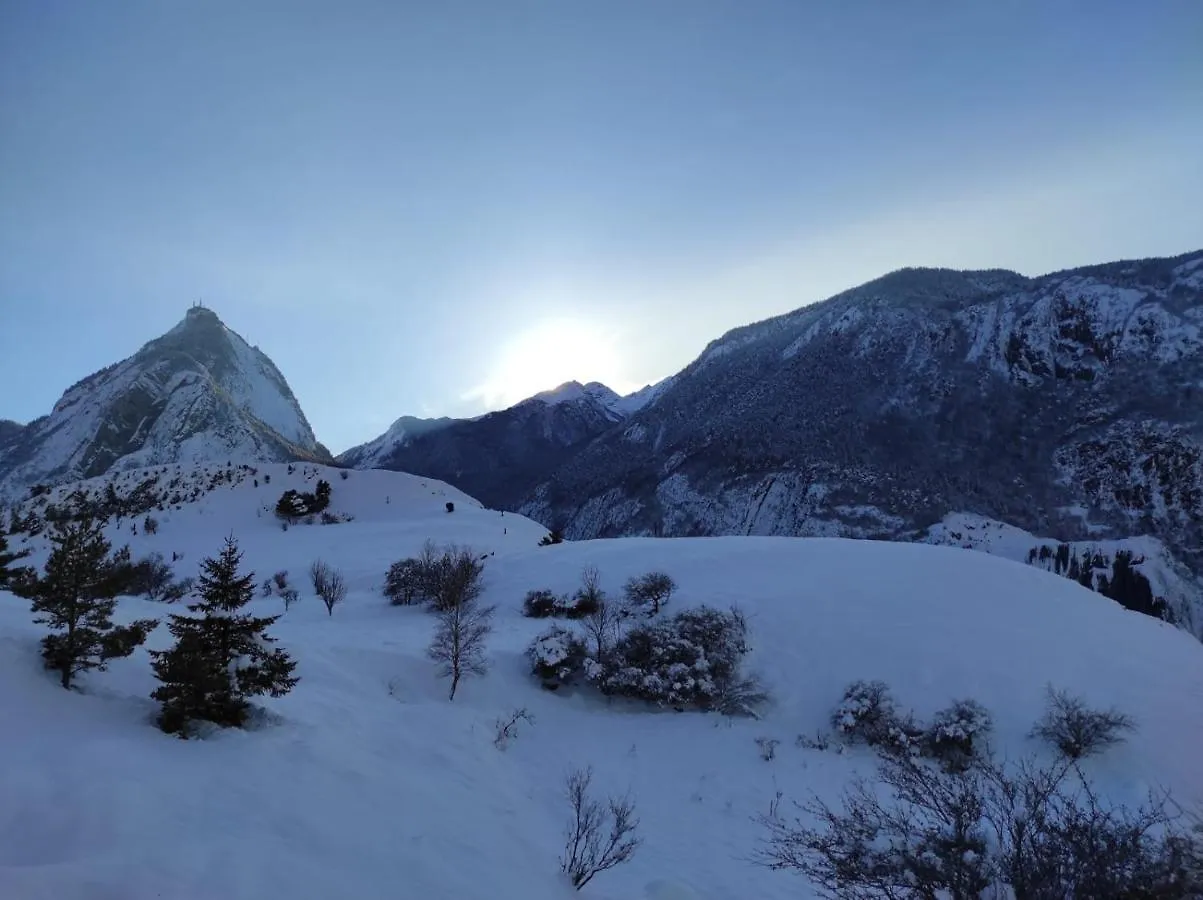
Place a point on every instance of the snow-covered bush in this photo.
(557, 657)
(1075, 729)
(542, 604)
(294, 505)
(867, 713)
(690, 660)
(956, 734)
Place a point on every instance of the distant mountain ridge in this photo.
(198, 393)
(500, 457)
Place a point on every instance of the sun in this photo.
(549, 354)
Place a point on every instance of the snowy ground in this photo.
(366, 782)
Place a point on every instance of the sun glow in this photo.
(546, 356)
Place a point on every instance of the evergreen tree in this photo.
(76, 596)
(321, 496)
(7, 572)
(221, 655)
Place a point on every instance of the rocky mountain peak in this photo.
(199, 392)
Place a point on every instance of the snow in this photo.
(366, 782)
(644, 397)
(572, 391)
(1169, 580)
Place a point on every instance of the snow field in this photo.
(365, 782)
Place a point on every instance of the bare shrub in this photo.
(289, 595)
(742, 695)
(177, 590)
(459, 639)
(280, 579)
(646, 594)
(991, 830)
(1076, 730)
(507, 728)
(821, 741)
(598, 837)
(768, 748)
(589, 595)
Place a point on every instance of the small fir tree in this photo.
(222, 656)
(76, 596)
(7, 571)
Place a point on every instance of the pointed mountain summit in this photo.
(198, 393)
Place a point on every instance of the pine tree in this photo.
(76, 596)
(221, 656)
(7, 572)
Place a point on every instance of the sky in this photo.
(441, 208)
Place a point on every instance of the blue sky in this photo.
(436, 209)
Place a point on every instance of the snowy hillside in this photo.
(1091, 563)
(199, 393)
(366, 782)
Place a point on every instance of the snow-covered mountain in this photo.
(1068, 405)
(198, 393)
(501, 456)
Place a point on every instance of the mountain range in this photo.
(1068, 405)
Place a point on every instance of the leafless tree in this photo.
(456, 576)
(599, 837)
(647, 593)
(328, 583)
(459, 640)
(601, 626)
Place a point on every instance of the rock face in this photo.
(1068, 405)
(198, 393)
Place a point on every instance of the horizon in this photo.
(414, 212)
